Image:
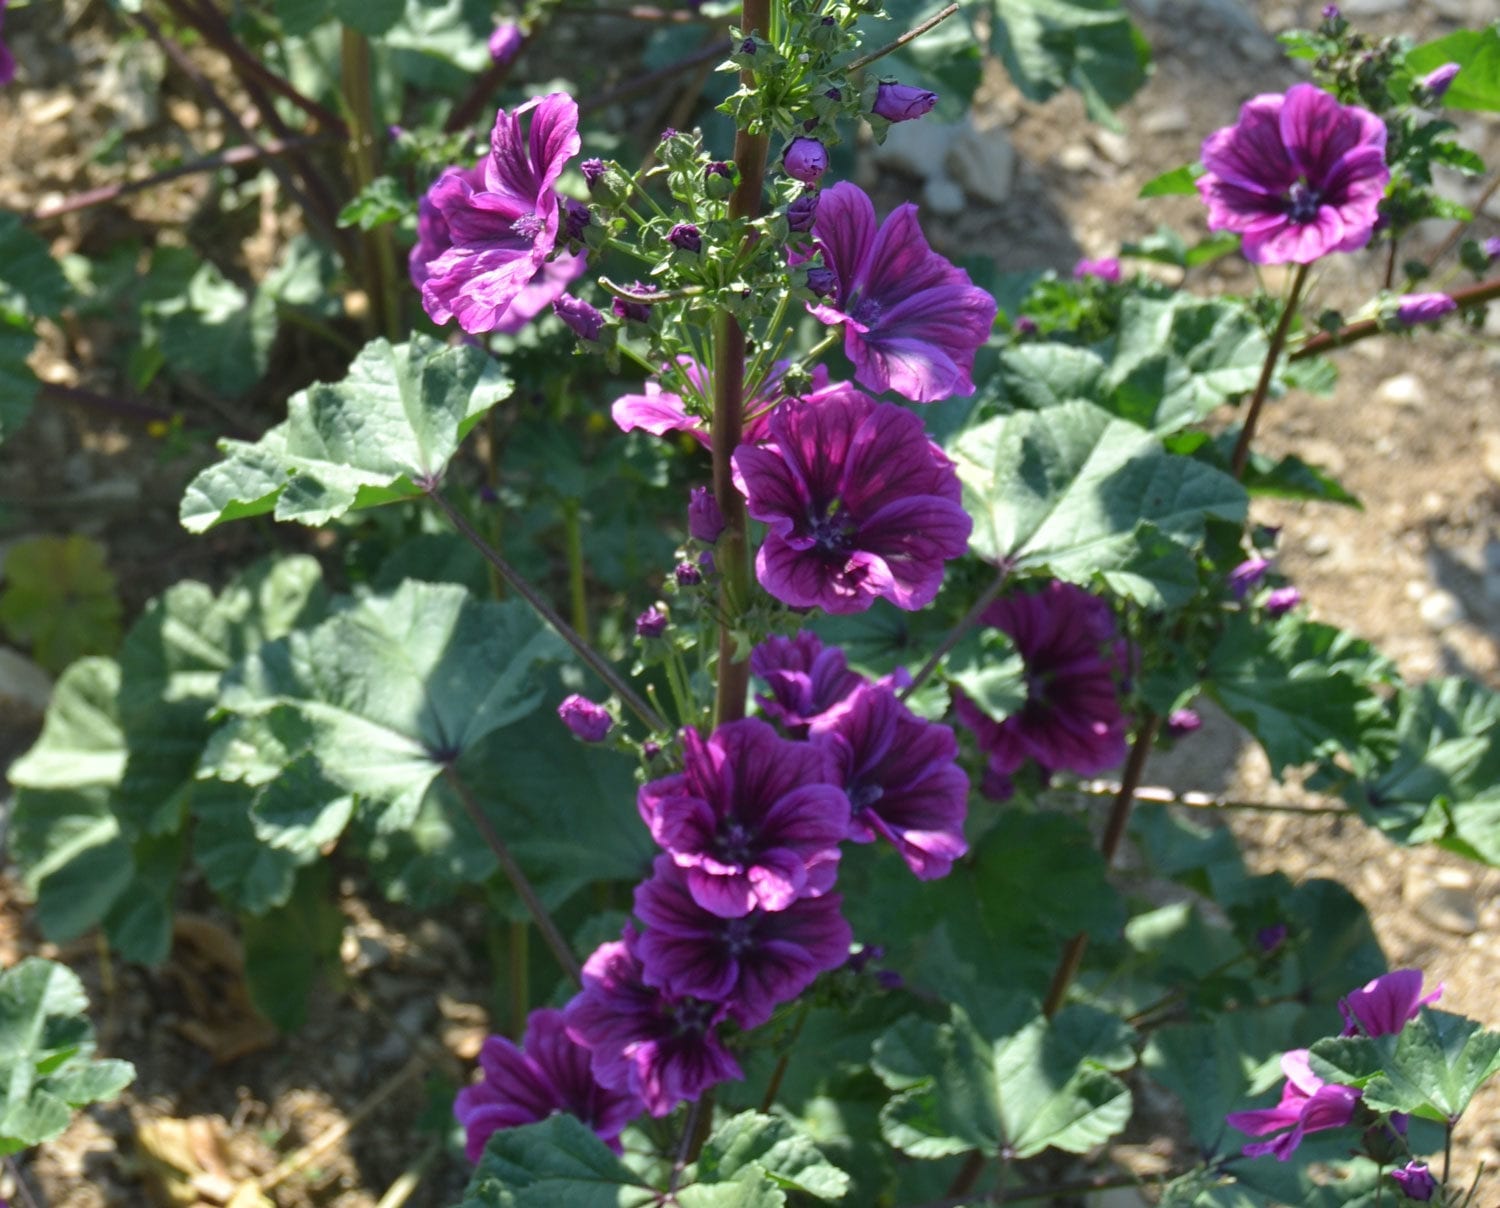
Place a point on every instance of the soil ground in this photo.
(1413, 429)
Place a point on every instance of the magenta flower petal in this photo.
(913, 321)
(547, 284)
(1384, 1006)
(805, 678)
(1298, 176)
(1308, 1104)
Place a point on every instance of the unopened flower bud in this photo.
(1268, 939)
(585, 320)
(686, 237)
(634, 312)
(651, 624)
(1491, 248)
(902, 102)
(1436, 82)
(1106, 268)
(822, 281)
(1182, 722)
(805, 159)
(576, 218)
(1416, 1181)
(1282, 601)
(505, 42)
(705, 521)
(1025, 325)
(1412, 309)
(593, 170)
(1244, 577)
(587, 720)
(688, 575)
(719, 179)
(1330, 12)
(801, 213)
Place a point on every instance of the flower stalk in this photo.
(1263, 386)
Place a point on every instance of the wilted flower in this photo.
(505, 42)
(859, 503)
(902, 102)
(751, 963)
(705, 520)
(651, 624)
(902, 778)
(1435, 83)
(1385, 1005)
(584, 320)
(1416, 1181)
(1298, 176)
(587, 720)
(1074, 658)
(754, 819)
(662, 1047)
(1308, 1104)
(805, 159)
(912, 321)
(1106, 268)
(549, 1073)
(1282, 600)
(485, 232)
(1412, 309)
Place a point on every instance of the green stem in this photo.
(1263, 387)
(577, 592)
(518, 879)
(773, 1087)
(378, 244)
(759, 366)
(810, 358)
(955, 635)
(595, 661)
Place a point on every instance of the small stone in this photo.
(982, 161)
(1167, 119)
(1403, 390)
(1114, 147)
(1440, 610)
(1448, 907)
(915, 148)
(943, 196)
(1075, 158)
(1317, 545)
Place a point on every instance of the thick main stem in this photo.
(733, 552)
(378, 244)
(1263, 387)
(595, 661)
(540, 915)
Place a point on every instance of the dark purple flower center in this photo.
(863, 796)
(528, 226)
(738, 936)
(734, 842)
(694, 1016)
(1303, 202)
(866, 311)
(832, 533)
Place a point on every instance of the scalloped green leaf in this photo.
(556, 1161)
(46, 1054)
(773, 1146)
(393, 422)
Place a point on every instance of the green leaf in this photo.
(381, 201)
(1477, 52)
(31, 282)
(1072, 489)
(1090, 45)
(990, 670)
(556, 1161)
(1177, 358)
(1032, 1085)
(18, 385)
(389, 690)
(46, 1051)
(371, 17)
(60, 599)
(288, 947)
(236, 863)
(393, 422)
(768, 1146)
(1433, 1066)
(1294, 684)
(1293, 478)
(214, 332)
(1179, 181)
(1209, 1066)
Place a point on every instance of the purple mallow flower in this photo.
(805, 159)
(587, 720)
(1416, 1181)
(1298, 176)
(902, 102)
(505, 42)
(1330, 12)
(484, 232)
(685, 237)
(549, 1073)
(912, 321)
(1435, 83)
(1282, 600)
(1308, 1104)
(585, 321)
(1245, 577)
(1106, 268)
(651, 624)
(751, 963)
(902, 778)
(539, 294)
(644, 1041)
(859, 503)
(1074, 658)
(1491, 248)
(1412, 309)
(705, 520)
(659, 411)
(754, 819)
(806, 679)
(1384, 1006)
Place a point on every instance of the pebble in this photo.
(1444, 899)
(943, 196)
(1403, 390)
(1114, 147)
(1317, 545)
(1489, 445)
(1440, 610)
(1167, 119)
(1075, 158)
(982, 161)
(916, 148)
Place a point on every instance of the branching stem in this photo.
(1263, 386)
(955, 635)
(909, 36)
